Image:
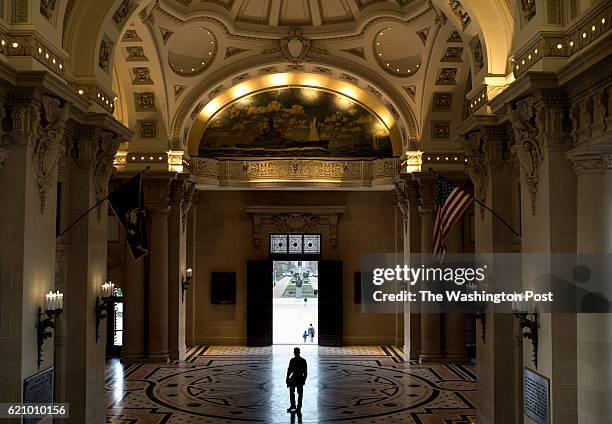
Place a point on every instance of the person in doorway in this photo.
(311, 333)
(296, 378)
(305, 335)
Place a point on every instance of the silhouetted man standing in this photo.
(296, 377)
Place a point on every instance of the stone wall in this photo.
(224, 242)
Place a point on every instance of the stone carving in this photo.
(104, 55)
(476, 166)
(452, 54)
(442, 101)
(477, 54)
(295, 222)
(460, 12)
(447, 76)
(123, 12)
(454, 37)
(141, 76)
(135, 54)
(186, 202)
(586, 161)
(527, 147)
(145, 101)
(295, 47)
(102, 164)
(528, 8)
(47, 7)
(147, 129)
(47, 142)
(131, 35)
(411, 91)
(440, 129)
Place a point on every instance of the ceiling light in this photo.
(61, 66)
(571, 44)
(593, 28)
(54, 61)
(81, 92)
(529, 57)
(15, 45)
(39, 50)
(536, 51)
(559, 46)
(3, 42)
(397, 69)
(603, 20)
(142, 158)
(584, 35)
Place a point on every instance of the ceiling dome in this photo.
(304, 13)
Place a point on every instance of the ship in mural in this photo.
(295, 122)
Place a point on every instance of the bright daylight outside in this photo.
(295, 302)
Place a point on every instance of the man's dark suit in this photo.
(296, 377)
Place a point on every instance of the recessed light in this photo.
(593, 28)
(584, 35)
(536, 51)
(603, 20)
(81, 91)
(61, 66)
(39, 50)
(571, 44)
(15, 45)
(559, 46)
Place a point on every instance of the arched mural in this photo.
(295, 121)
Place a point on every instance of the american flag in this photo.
(451, 202)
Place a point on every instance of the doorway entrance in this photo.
(295, 302)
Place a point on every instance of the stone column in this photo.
(405, 192)
(454, 323)
(190, 263)
(548, 191)
(92, 152)
(489, 168)
(593, 166)
(182, 191)
(430, 322)
(28, 172)
(134, 318)
(158, 208)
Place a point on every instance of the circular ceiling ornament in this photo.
(392, 48)
(191, 51)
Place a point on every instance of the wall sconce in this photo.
(102, 302)
(529, 326)
(54, 306)
(185, 283)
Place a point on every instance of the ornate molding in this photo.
(102, 163)
(591, 158)
(291, 172)
(295, 219)
(476, 166)
(527, 146)
(47, 142)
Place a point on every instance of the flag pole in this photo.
(84, 214)
(503, 221)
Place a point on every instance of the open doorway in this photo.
(295, 302)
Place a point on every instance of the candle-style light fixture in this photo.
(529, 326)
(54, 306)
(102, 302)
(185, 283)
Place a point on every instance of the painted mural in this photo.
(295, 122)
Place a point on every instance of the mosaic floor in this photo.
(240, 384)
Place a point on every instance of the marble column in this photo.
(157, 192)
(548, 217)
(134, 319)
(90, 166)
(492, 174)
(431, 349)
(182, 192)
(454, 323)
(28, 174)
(593, 167)
(406, 191)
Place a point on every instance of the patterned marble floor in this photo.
(240, 384)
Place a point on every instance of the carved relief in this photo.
(47, 7)
(528, 8)
(460, 12)
(106, 49)
(527, 146)
(144, 101)
(477, 54)
(452, 54)
(102, 164)
(440, 129)
(141, 76)
(476, 166)
(295, 47)
(135, 54)
(295, 222)
(47, 143)
(147, 129)
(186, 202)
(447, 76)
(123, 12)
(442, 101)
(131, 35)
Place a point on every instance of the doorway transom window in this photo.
(295, 244)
